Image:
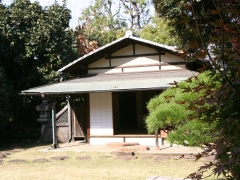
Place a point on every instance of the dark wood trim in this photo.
(102, 68)
(174, 63)
(160, 60)
(135, 66)
(134, 55)
(126, 136)
(134, 49)
(88, 117)
(112, 113)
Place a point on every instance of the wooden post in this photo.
(156, 140)
(69, 119)
(162, 141)
(54, 133)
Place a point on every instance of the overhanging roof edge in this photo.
(95, 91)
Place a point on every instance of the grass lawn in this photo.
(99, 166)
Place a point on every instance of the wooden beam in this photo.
(134, 55)
(135, 66)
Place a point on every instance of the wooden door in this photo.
(79, 121)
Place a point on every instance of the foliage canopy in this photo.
(104, 21)
(210, 30)
(35, 42)
(159, 31)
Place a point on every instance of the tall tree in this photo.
(213, 30)
(137, 12)
(35, 42)
(106, 20)
(5, 93)
(159, 31)
(84, 46)
(179, 13)
(102, 22)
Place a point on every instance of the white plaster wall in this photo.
(100, 63)
(170, 58)
(139, 49)
(128, 50)
(132, 63)
(135, 61)
(101, 121)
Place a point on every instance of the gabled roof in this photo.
(75, 66)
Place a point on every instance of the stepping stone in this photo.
(190, 157)
(17, 161)
(185, 157)
(133, 148)
(146, 157)
(126, 157)
(120, 144)
(5, 153)
(83, 157)
(59, 158)
(120, 153)
(2, 156)
(105, 156)
(162, 157)
(41, 160)
(179, 157)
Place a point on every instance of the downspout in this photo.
(69, 119)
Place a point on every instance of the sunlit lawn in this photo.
(97, 167)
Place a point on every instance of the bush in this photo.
(170, 111)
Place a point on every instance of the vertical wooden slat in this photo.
(69, 119)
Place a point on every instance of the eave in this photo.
(112, 83)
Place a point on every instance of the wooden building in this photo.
(108, 98)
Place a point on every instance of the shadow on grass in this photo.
(21, 144)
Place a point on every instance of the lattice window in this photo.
(63, 118)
